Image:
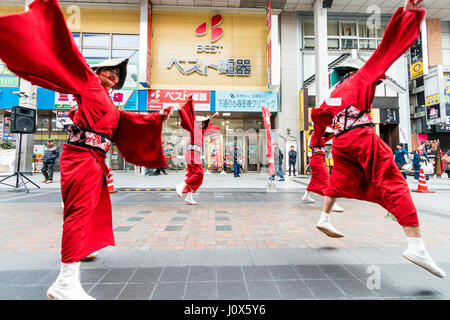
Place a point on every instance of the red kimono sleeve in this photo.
(38, 46)
(359, 90)
(210, 129)
(138, 138)
(187, 116)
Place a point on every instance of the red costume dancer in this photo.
(38, 46)
(320, 175)
(364, 168)
(198, 128)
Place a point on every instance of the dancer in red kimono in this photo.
(364, 168)
(320, 175)
(198, 128)
(38, 46)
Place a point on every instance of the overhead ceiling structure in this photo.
(436, 9)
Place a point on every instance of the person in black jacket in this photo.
(292, 160)
(51, 153)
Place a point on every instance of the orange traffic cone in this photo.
(422, 187)
(110, 181)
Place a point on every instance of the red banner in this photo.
(266, 118)
(158, 98)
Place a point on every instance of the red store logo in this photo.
(216, 32)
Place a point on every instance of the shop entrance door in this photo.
(252, 156)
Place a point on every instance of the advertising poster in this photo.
(158, 98)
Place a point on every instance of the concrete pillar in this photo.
(288, 120)
(321, 51)
(28, 99)
(143, 41)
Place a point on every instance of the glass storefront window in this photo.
(77, 38)
(308, 28)
(333, 28)
(96, 54)
(96, 40)
(309, 43)
(333, 43)
(348, 43)
(365, 32)
(348, 29)
(380, 32)
(133, 55)
(367, 44)
(127, 41)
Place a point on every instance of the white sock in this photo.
(415, 243)
(325, 216)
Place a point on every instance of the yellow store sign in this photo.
(416, 69)
(204, 50)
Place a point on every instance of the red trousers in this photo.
(364, 169)
(194, 177)
(320, 177)
(87, 206)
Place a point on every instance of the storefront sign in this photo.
(434, 99)
(417, 58)
(229, 67)
(7, 135)
(159, 98)
(63, 101)
(433, 112)
(123, 100)
(246, 101)
(7, 78)
(7, 158)
(389, 116)
(303, 102)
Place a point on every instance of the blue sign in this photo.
(7, 98)
(246, 101)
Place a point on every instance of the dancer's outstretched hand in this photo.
(412, 4)
(165, 113)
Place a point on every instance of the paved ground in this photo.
(238, 243)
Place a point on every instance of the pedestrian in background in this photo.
(236, 159)
(420, 156)
(278, 159)
(292, 159)
(401, 158)
(51, 153)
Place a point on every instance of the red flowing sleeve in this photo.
(38, 46)
(210, 129)
(359, 90)
(187, 116)
(138, 138)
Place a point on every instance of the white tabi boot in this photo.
(307, 198)
(189, 199)
(326, 227)
(337, 208)
(180, 187)
(67, 285)
(417, 253)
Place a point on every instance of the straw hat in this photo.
(120, 63)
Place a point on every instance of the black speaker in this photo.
(23, 120)
(327, 4)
